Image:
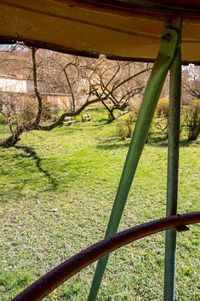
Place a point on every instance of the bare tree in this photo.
(116, 84)
(191, 81)
(85, 81)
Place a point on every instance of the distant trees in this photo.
(116, 84)
(191, 81)
(191, 84)
(85, 81)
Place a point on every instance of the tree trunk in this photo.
(13, 139)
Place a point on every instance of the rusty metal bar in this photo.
(50, 281)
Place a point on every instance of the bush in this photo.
(3, 120)
(124, 127)
(192, 119)
(163, 107)
(134, 107)
(47, 112)
(28, 108)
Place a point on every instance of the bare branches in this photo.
(117, 84)
(70, 84)
(191, 81)
(83, 81)
(60, 120)
(37, 93)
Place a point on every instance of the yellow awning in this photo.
(123, 29)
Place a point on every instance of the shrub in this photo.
(124, 127)
(163, 107)
(134, 107)
(47, 111)
(3, 120)
(28, 107)
(192, 119)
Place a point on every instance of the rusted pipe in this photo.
(50, 281)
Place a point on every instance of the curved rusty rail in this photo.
(50, 281)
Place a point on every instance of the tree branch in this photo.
(67, 114)
(37, 93)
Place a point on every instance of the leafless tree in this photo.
(116, 84)
(191, 81)
(85, 81)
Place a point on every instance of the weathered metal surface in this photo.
(47, 283)
(119, 29)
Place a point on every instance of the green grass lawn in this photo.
(56, 193)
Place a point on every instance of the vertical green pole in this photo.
(161, 66)
(172, 173)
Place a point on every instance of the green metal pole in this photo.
(161, 66)
(172, 173)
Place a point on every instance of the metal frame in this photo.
(169, 58)
(172, 172)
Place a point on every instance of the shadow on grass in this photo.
(32, 154)
(116, 143)
(101, 122)
(163, 142)
(112, 143)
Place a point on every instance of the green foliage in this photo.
(124, 125)
(3, 120)
(56, 193)
(162, 109)
(192, 119)
(124, 129)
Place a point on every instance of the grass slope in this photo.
(56, 193)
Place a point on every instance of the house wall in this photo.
(13, 85)
(19, 88)
(58, 101)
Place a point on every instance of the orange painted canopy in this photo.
(122, 29)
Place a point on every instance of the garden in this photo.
(57, 191)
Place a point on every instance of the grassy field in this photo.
(56, 193)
